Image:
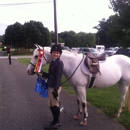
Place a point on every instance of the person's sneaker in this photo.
(51, 126)
(58, 123)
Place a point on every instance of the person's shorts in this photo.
(51, 100)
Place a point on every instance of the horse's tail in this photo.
(128, 98)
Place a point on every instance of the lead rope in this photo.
(74, 71)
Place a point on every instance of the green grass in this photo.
(24, 60)
(100, 97)
(106, 99)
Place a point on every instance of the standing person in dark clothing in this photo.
(8, 49)
(54, 85)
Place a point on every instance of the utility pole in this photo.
(55, 23)
(98, 40)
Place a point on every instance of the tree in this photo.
(27, 35)
(35, 32)
(122, 8)
(80, 39)
(115, 31)
(2, 39)
(60, 40)
(13, 35)
(68, 37)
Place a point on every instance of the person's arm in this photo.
(59, 70)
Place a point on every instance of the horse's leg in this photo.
(81, 93)
(123, 87)
(77, 116)
(84, 121)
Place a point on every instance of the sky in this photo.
(75, 15)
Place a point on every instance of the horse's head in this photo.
(45, 59)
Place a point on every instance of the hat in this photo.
(56, 48)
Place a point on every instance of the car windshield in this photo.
(86, 50)
(80, 49)
(94, 50)
(110, 49)
(115, 49)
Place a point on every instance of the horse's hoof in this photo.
(76, 117)
(116, 116)
(83, 123)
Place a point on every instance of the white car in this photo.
(75, 50)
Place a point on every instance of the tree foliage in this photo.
(27, 35)
(12, 34)
(33, 32)
(80, 39)
(2, 38)
(115, 31)
(122, 8)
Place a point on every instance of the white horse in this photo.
(116, 69)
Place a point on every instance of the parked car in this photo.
(101, 48)
(75, 49)
(85, 50)
(66, 48)
(111, 51)
(125, 52)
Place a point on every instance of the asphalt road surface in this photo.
(23, 109)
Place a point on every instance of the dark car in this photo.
(125, 52)
(111, 51)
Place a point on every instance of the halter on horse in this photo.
(116, 69)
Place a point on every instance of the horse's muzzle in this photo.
(30, 72)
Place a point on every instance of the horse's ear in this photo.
(37, 46)
(40, 47)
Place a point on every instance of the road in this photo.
(23, 109)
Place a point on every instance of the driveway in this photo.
(2, 53)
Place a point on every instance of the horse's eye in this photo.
(36, 57)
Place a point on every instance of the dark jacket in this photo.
(55, 74)
(8, 49)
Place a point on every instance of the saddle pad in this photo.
(85, 69)
(87, 72)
